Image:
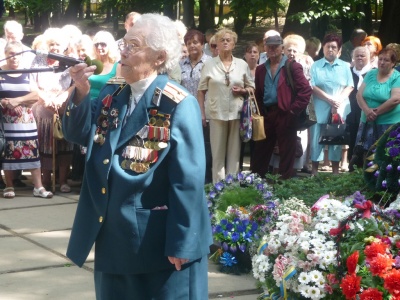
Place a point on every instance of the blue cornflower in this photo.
(235, 237)
(212, 194)
(227, 259)
(218, 229)
(229, 226)
(219, 186)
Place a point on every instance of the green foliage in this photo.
(310, 189)
(236, 195)
(330, 8)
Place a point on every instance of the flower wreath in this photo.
(244, 179)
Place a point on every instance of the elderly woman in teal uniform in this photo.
(142, 200)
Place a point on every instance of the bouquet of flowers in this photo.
(248, 213)
(309, 253)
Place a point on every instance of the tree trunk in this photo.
(36, 22)
(389, 30)
(206, 15)
(115, 19)
(88, 11)
(169, 9)
(71, 13)
(319, 27)
(295, 26)
(188, 13)
(220, 12)
(11, 12)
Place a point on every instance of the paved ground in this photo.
(34, 233)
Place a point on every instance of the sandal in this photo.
(65, 188)
(42, 193)
(9, 193)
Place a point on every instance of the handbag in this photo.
(245, 129)
(57, 127)
(2, 136)
(334, 133)
(257, 120)
(303, 119)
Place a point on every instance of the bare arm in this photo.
(369, 112)
(27, 100)
(390, 104)
(201, 96)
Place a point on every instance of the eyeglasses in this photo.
(101, 44)
(132, 48)
(227, 81)
(213, 46)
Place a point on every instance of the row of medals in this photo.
(142, 150)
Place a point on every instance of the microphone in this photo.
(67, 61)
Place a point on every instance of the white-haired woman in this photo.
(106, 51)
(142, 198)
(225, 79)
(54, 90)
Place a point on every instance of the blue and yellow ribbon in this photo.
(262, 247)
(288, 274)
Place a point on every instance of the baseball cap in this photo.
(274, 40)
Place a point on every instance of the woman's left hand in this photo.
(18, 110)
(237, 90)
(371, 115)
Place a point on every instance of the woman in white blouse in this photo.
(226, 80)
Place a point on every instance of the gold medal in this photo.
(152, 121)
(159, 122)
(156, 147)
(132, 166)
(125, 164)
(147, 144)
(167, 123)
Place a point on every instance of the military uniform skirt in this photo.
(190, 283)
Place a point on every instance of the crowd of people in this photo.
(334, 72)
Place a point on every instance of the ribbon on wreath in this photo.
(366, 208)
(262, 247)
(286, 276)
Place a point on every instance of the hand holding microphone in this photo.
(66, 61)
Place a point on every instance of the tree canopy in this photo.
(305, 17)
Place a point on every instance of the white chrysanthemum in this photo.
(304, 278)
(314, 292)
(305, 246)
(304, 290)
(315, 275)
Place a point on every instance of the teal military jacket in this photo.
(142, 196)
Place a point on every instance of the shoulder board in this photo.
(174, 93)
(116, 80)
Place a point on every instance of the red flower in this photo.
(339, 230)
(398, 244)
(350, 286)
(366, 208)
(381, 264)
(351, 262)
(16, 154)
(374, 249)
(332, 278)
(371, 294)
(392, 282)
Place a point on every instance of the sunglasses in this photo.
(227, 81)
(213, 46)
(102, 44)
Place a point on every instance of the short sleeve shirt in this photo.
(376, 93)
(190, 76)
(222, 104)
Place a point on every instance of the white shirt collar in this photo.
(138, 88)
